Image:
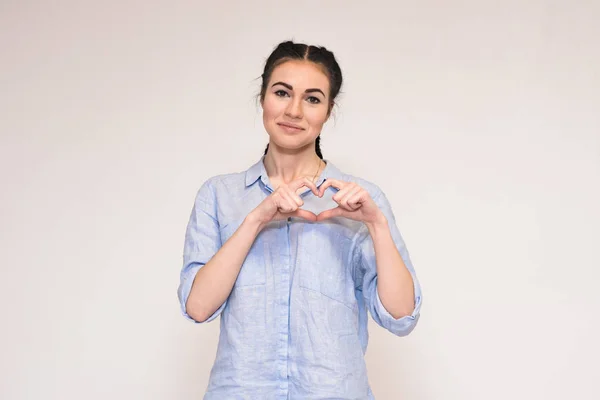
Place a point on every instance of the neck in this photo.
(286, 167)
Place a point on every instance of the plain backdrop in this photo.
(479, 119)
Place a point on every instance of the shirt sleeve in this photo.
(367, 269)
(202, 241)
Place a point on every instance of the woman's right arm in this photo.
(214, 281)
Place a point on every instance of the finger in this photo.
(304, 182)
(304, 214)
(334, 212)
(283, 202)
(288, 203)
(331, 182)
(278, 200)
(290, 194)
(350, 195)
(342, 194)
(355, 201)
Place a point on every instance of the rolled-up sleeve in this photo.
(367, 271)
(202, 241)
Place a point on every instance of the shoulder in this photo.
(214, 192)
(229, 182)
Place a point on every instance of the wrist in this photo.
(378, 224)
(254, 221)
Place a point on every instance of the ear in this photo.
(330, 109)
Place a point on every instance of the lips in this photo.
(290, 126)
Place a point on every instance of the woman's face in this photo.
(295, 105)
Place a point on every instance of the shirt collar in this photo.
(258, 171)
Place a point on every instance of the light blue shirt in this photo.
(294, 326)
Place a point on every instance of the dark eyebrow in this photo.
(314, 90)
(288, 86)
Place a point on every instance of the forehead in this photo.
(301, 75)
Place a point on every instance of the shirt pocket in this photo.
(325, 263)
(253, 270)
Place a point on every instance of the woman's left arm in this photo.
(389, 281)
(395, 283)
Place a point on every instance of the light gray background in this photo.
(479, 119)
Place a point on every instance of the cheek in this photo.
(316, 117)
(271, 108)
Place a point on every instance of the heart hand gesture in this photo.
(353, 201)
(284, 202)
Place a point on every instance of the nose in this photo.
(294, 108)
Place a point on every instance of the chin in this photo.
(289, 142)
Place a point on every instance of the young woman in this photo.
(292, 252)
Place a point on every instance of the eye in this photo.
(281, 93)
(313, 100)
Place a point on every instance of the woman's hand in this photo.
(284, 202)
(353, 201)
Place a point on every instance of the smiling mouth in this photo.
(290, 127)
